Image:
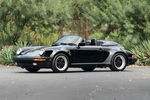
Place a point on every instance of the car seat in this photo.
(93, 41)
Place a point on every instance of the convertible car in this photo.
(74, 51)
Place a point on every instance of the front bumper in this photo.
(25, 62)
(131, 60)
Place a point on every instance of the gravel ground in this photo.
(101, 84)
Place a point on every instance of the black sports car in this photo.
(74, 51)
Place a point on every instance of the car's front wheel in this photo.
(32, 70)
(88, 68)
(118, 62)
(60, 63)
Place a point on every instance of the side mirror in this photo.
(81, 44)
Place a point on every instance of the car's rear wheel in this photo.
(32, 70)
(88, 68)
(60, 63)
(118, 62)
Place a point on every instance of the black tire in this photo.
(88, 68)
(32, 70)
(60, 63)
(118, 62)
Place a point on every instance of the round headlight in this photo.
(41, 52)
(19, 51)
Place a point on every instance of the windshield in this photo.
(73, 40)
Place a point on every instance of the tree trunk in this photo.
(86, 29)
(61, 30)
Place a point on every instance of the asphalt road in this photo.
(102, 84)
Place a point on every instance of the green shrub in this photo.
(35, 38)
(7, 54)
(128, 41)
(0, 47)
(98, 36)
(142, 52)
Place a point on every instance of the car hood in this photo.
(36, 50)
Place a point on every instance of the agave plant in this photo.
(7, 54)
(142, 52)
(20, 45)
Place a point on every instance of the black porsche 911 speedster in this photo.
(74, 51)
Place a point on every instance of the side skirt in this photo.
(101, 65)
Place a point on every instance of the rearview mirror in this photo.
(81, 44)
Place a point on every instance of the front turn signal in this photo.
(39, 59)
(133, 56)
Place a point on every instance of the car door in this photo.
(88, 54)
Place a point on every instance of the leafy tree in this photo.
(112, 18)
